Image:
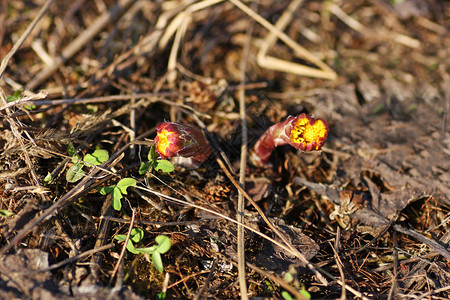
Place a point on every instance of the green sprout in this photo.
(154, 163)
(288, 296)
(5, 213)
(17, 96)
(136, 236)
(76, 172)
(48, 178)
(163, 245)
(117, 191)
(161, 296)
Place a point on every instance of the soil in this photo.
(366, 217)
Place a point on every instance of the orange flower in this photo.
(302, 132)
(176, 139)
(308, 134)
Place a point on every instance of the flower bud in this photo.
(176, 139)
(308, 134)
(302, 132)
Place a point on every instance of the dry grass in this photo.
(367, 217)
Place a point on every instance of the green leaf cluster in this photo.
(5, 213)
(117, 191)
(154, 163)
(17, 96)
(163, 245)
(76, 172)
(302, 292)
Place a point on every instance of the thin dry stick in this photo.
(19, 137)
(184, 279)
(75, 258)
(25, 100)
(124, 248)
(325, 72)
(208, 279)
(284, 247)
(357, 26)
(108, 17)
(151, 223)
(281, 282)
(178, 20)
(152, 97)
(287, 244)
(3, 65)
(145, 46)
(102, 236)
(271, 62)
(189, 204)
(338, 261)
(178, 27)
(281, 24)
(429, 242)
(80, 189)
(172, 63)
(243, 167)
(27, 32)
(394, 287)
(437, 291)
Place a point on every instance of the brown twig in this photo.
(281, 282)
(3, 65)
(267, 61)
(287, 244)
(427, 241)
(294, 252)
(394, 287)
(243, 167)
(338, 261)
(102, 236)
(75, 258)
(76, 45)
(80, 189)
(151, 223)
(206, 283)
(22, 38)
(124, 247)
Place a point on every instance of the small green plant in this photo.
(163, 245)
(155, 163)
(48, 178)
(18, 95)
(161, 296)
(5, 213)
(302, 292)
(397, 1)
(291, 279)
(286, 295)
(117, 191)
(76, 172)
(136, 236)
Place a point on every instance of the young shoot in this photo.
(176, 139)
(302, 132)
(163, 245)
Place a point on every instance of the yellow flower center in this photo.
(163, 141)
(305, 133)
